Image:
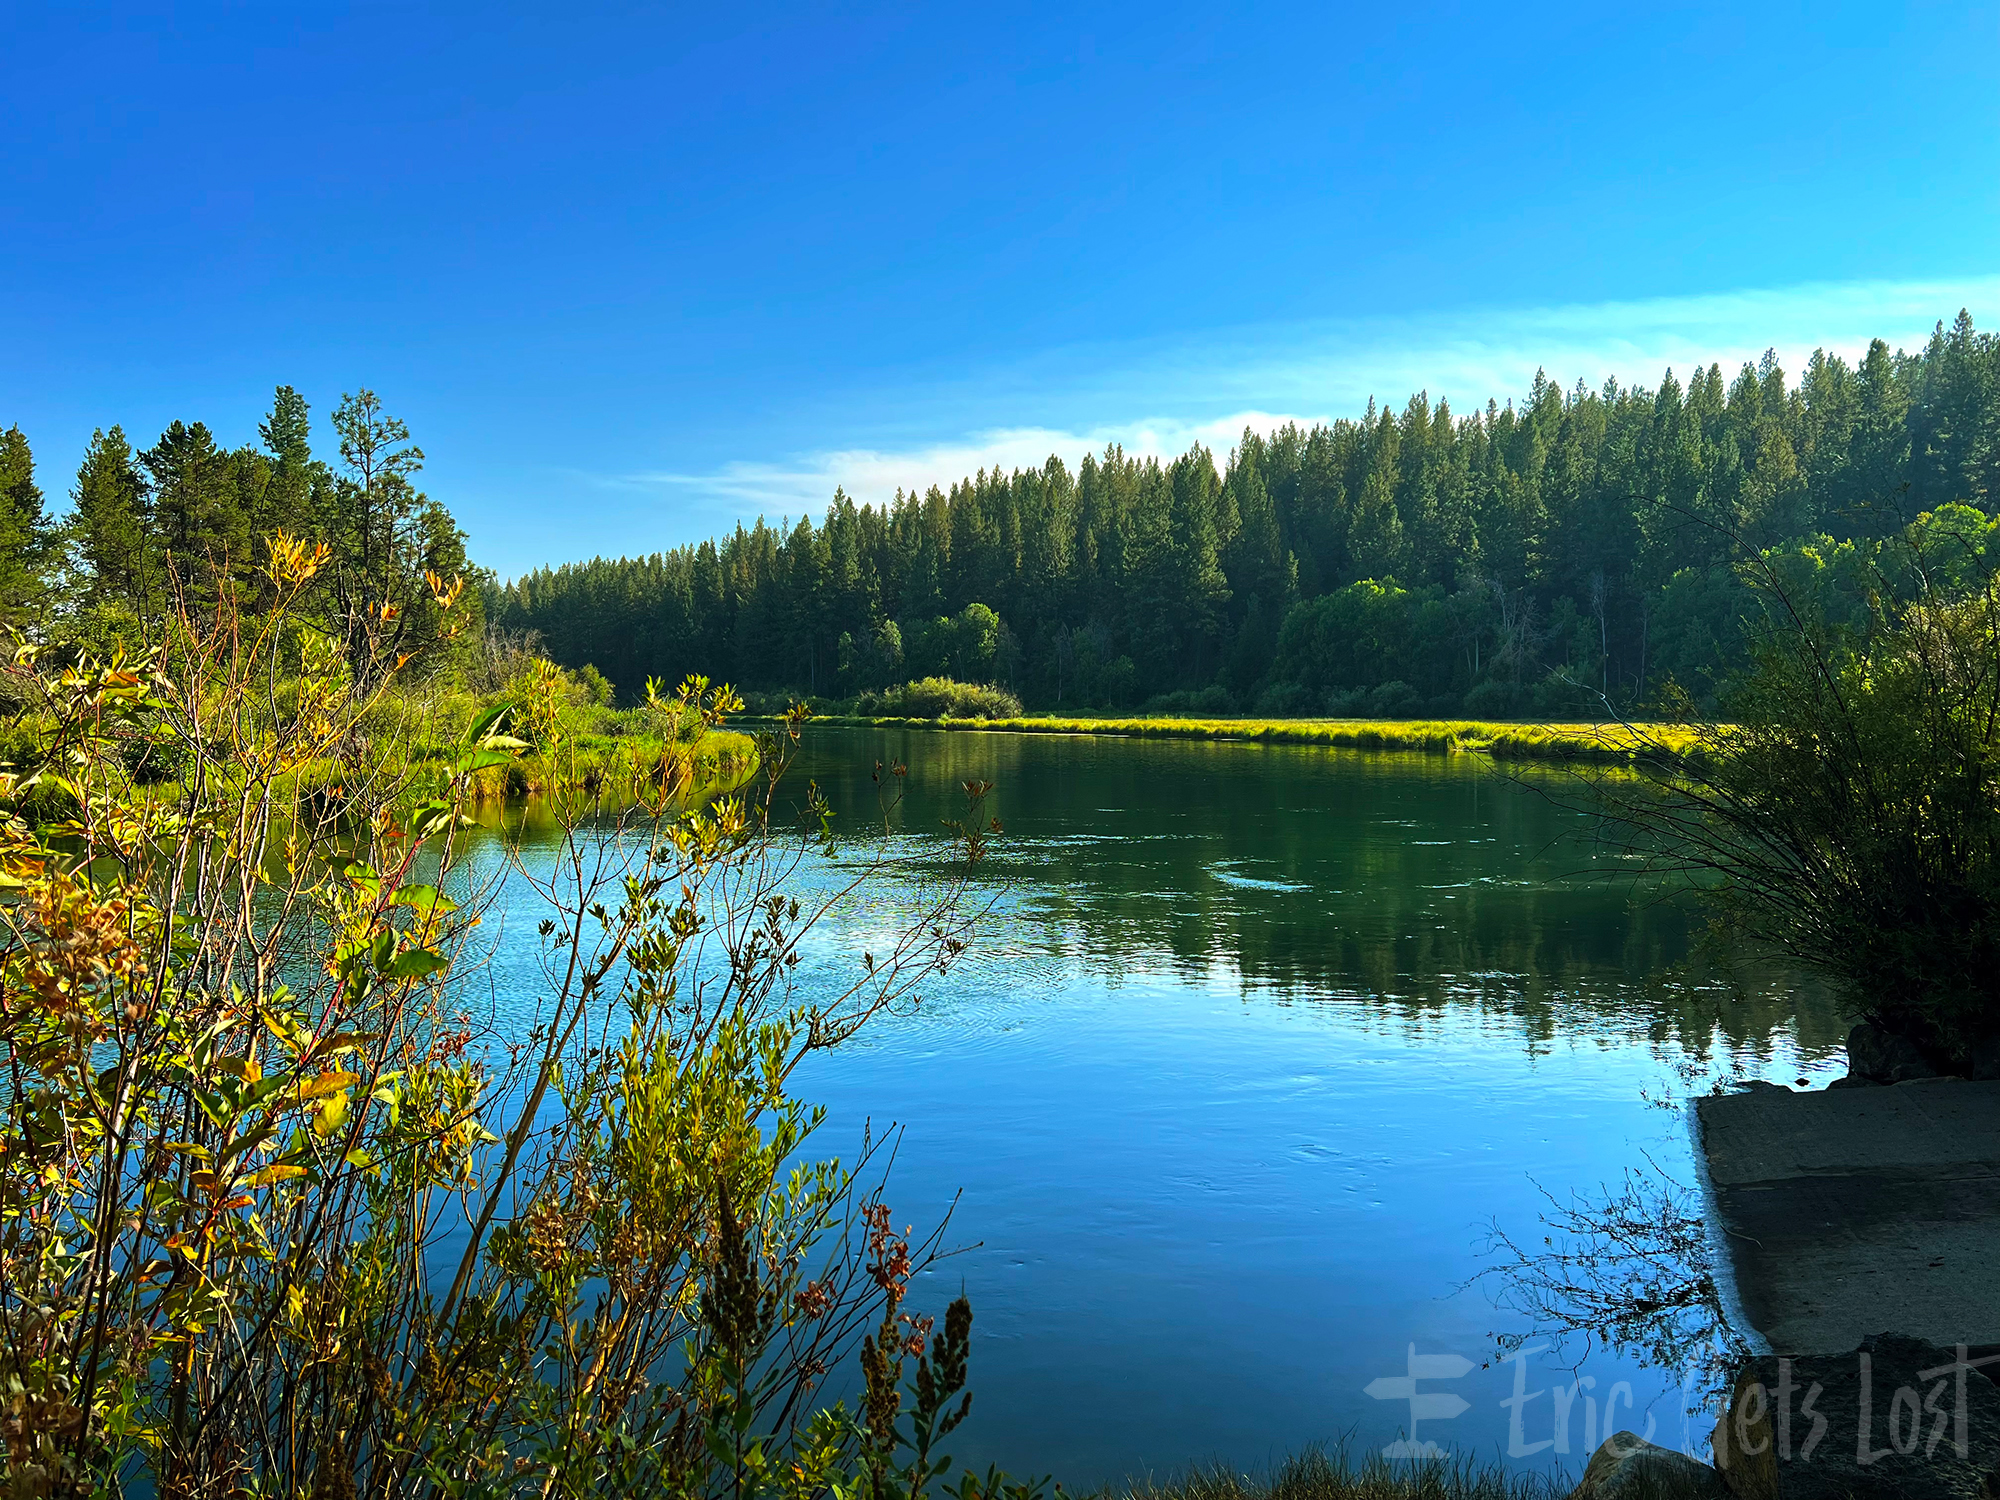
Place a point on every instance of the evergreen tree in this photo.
(24, 534)
(110, 520)
(387, 538)
(198, 520)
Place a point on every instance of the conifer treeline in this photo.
(188, 522)
(1520, 558)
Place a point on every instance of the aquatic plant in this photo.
(1322, 1474)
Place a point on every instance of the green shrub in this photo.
(1849, 815)
(941, 698)
(340, 1240)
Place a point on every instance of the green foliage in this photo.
(185, 523)
(1849, 816)
(596, 686)
(940, 698)
(24, 535)
(394, 552)
(1564, 553)
(110, 524)
(276, 1216)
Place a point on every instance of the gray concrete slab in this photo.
(1848, 1212)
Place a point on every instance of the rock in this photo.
(1852, 1082)
(1883, 1057)
(1627, 1467)
(1897, 1419)
(1983, 1065)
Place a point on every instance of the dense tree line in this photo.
(187, 524)
(1525, 558)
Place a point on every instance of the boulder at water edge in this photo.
(1627, 1467)
(1898, 1419)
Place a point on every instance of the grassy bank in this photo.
(1592, 742)
(412, 740)
(1319, 1475)
(600, 750)
(618, 765)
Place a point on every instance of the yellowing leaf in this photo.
(331, 1116)
(330, 1082)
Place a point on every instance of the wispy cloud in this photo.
(1160, 397)
(870, 474)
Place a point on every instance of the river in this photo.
(1256, 1049)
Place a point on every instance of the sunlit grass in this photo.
(1503, 741)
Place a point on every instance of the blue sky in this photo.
(631, 272)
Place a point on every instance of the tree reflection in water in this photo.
(1631, 1267)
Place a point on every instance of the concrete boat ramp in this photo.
(1849, 1211)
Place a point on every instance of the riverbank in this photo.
(1320, 1474)
(1502, 741)
(621, 765)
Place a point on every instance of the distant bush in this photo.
(1286, 700)
(1492, 699)
(1209, 701)
(941, 698)
(1392, 700)
(596, 686)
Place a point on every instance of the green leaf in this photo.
(427, 900)
(413, 963)
(249, 1142)
(484, 726)
(478, 760)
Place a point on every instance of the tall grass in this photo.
(1319, 1475)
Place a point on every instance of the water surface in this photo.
(1257, 1045)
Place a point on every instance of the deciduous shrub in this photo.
(281, 1213)
(1848, 813)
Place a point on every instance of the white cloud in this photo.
(1209, 389)
(872, 475)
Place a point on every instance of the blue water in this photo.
(1254, 1049)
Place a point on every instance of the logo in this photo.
(1425, 1406)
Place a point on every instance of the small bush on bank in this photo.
(940, 698)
